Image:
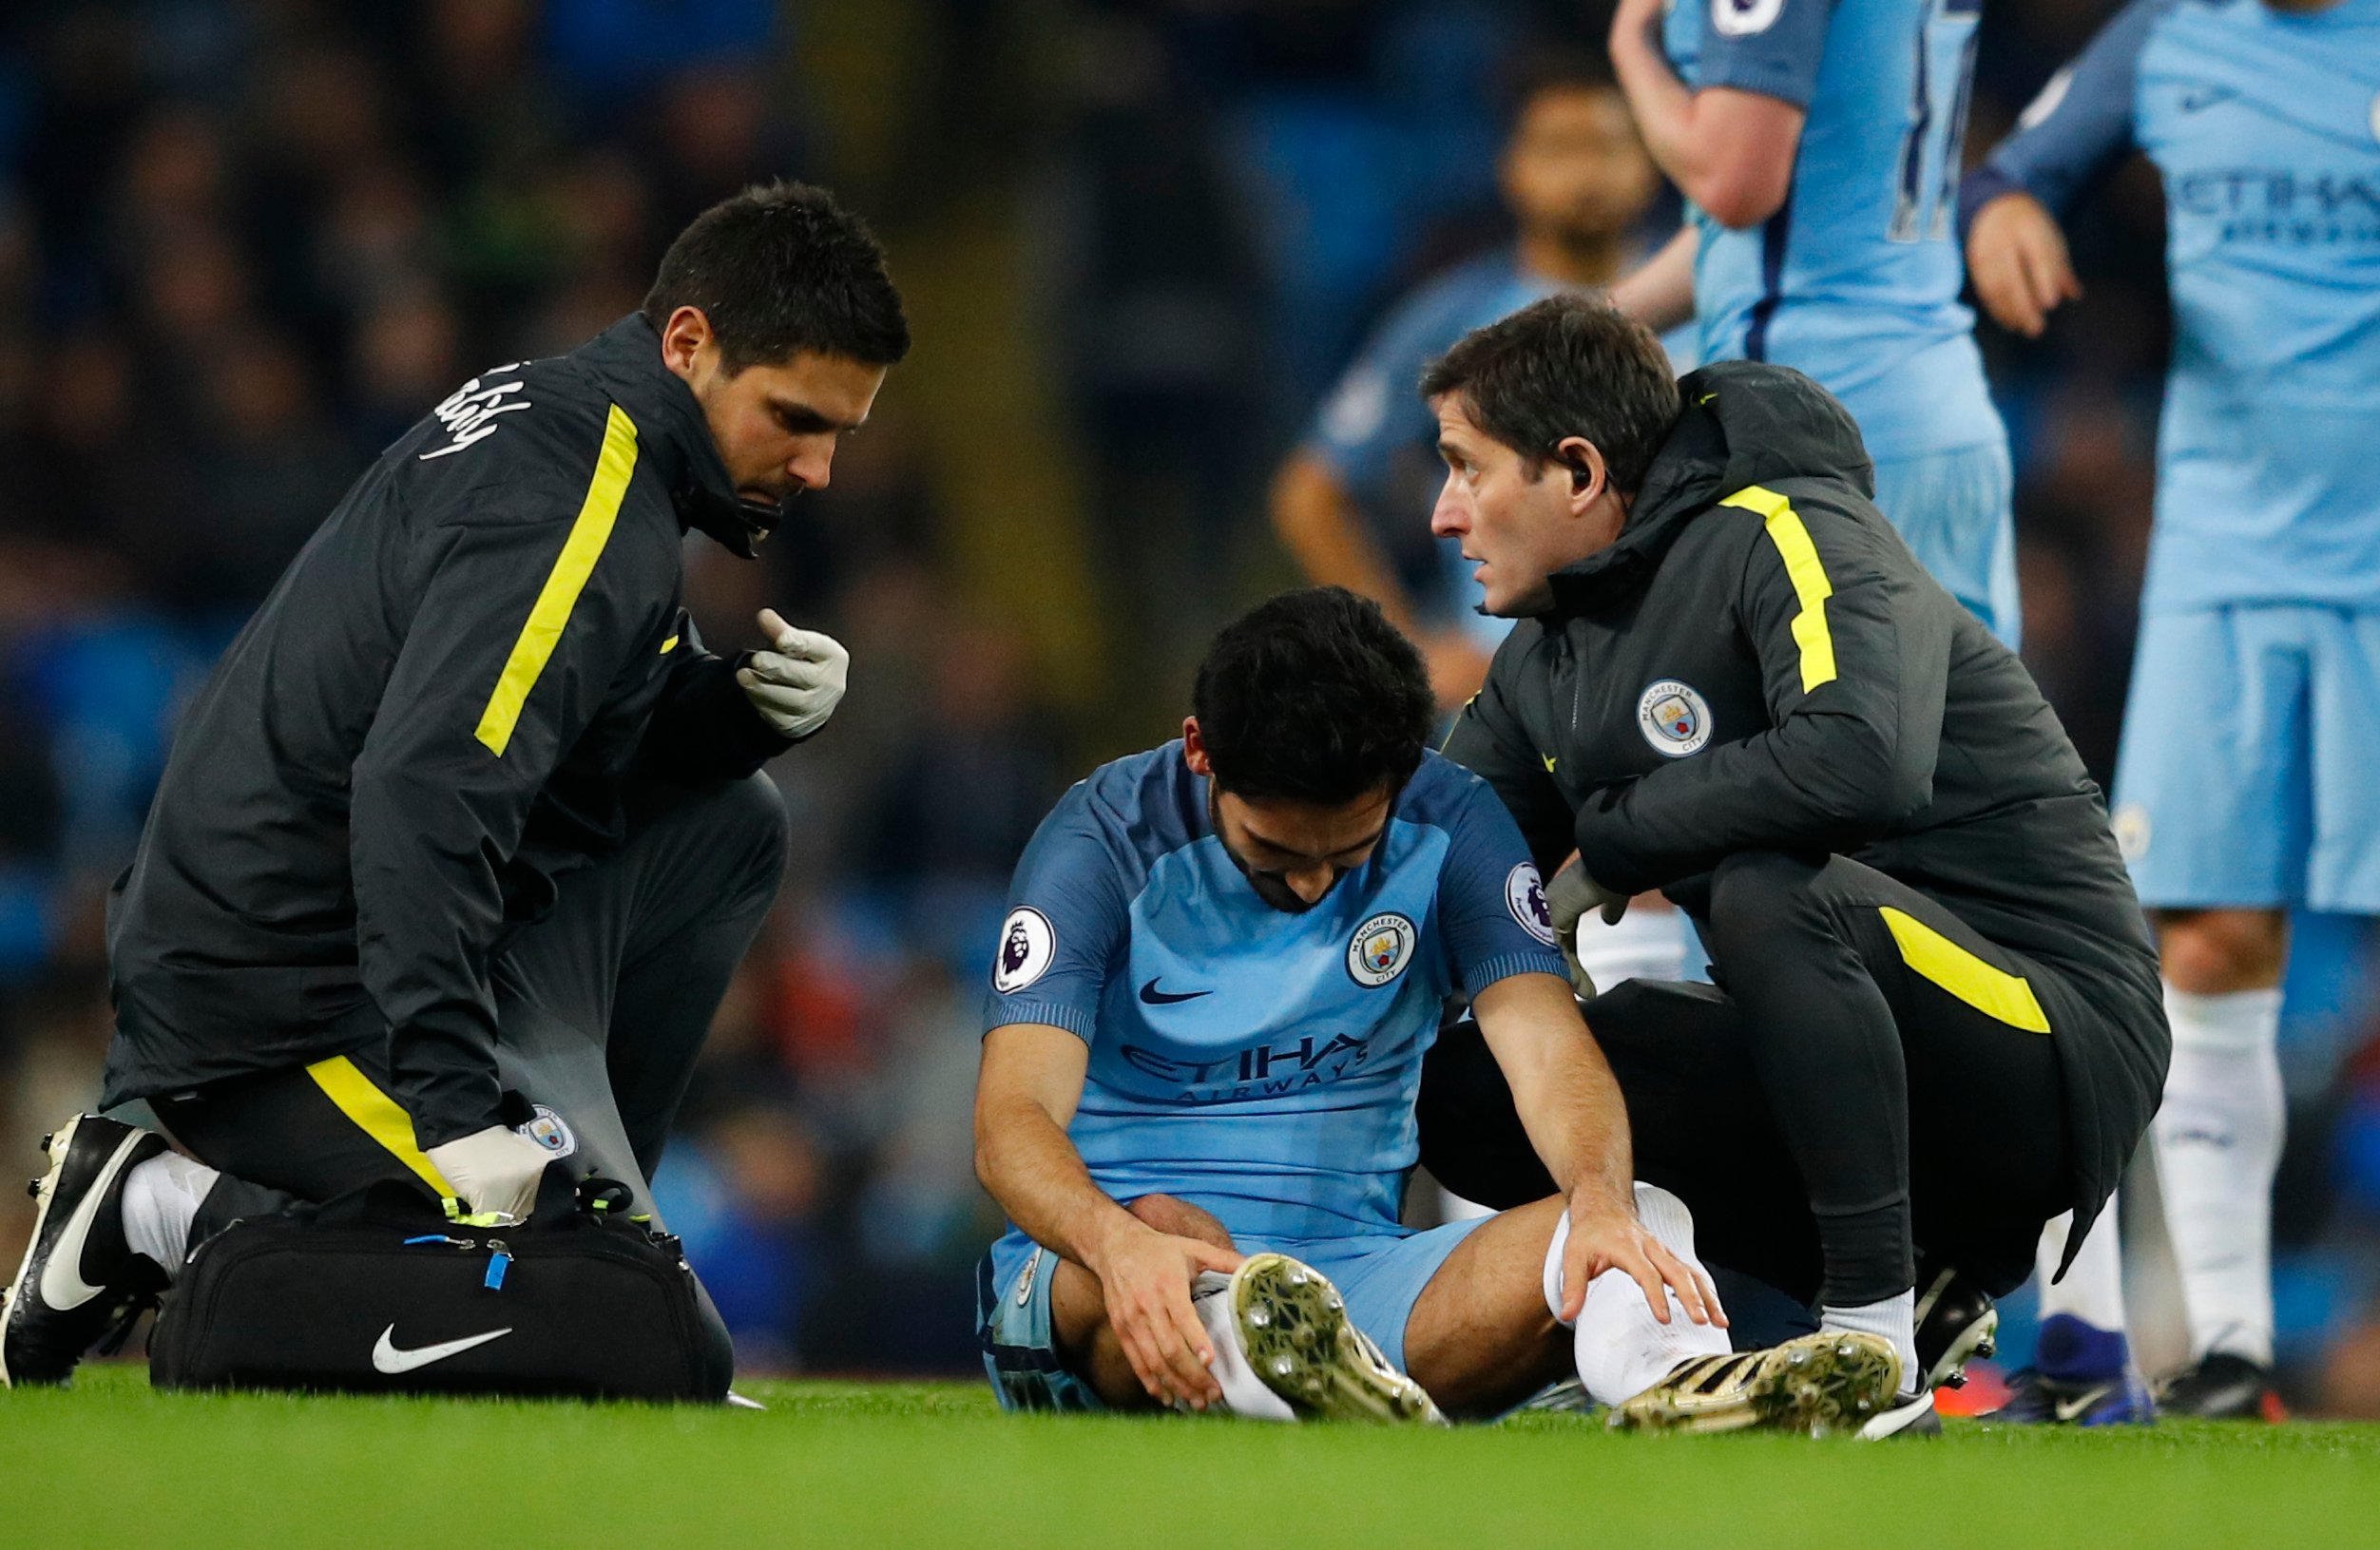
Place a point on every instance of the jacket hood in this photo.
(1745, 423)
(673, 433)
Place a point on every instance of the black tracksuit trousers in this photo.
(603, 1004)
(1866, 1080)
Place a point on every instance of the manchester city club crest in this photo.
(1380, 949)
(1525, 895)
(1027, 945)
(550, 1131)
(1675, 719)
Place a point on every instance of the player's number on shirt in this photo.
(1945, 48)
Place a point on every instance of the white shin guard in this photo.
(1620, 1347)
(1244, 1394)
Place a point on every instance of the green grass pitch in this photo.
(111, 1463)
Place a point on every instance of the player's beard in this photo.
(1271, 889)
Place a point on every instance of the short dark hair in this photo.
(778, 269)
(1313, 695)
(1567, 366)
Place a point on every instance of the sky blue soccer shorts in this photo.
(1956, 512)
(1380, 1275)
(2249, 773)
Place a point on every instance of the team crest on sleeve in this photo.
(1380, 949)
(1525, 895)
(1028, 945)
(1675, 719)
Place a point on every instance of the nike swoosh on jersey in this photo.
(2206, 97)
(2068, 1408)
(62, 1283)
(1155, 997)
(386, 1358)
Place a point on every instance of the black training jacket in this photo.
(1759, 662)
(429, 721)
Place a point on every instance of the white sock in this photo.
(2093, 1289)
(1244, 1394)
(1894, 1319)
(1621, 1349)
(2219, 1141)
(1648, 944)
(161, 1200)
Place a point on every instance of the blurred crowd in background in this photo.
(244, 243)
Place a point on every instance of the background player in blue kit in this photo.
(1818, 143)
(1224, 962)
(1576, 179)
(2243, 784)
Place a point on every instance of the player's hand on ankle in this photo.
(1144, 1279)
(493, 1171)
(797, 686)
(1606, 1237)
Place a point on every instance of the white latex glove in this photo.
(1568, 897)
(494, 1171)
(797, 686)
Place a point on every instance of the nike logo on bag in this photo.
(62, 1283)
(1155, 997)
(386, 1358)
(2068, 1408)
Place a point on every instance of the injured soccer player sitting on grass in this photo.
(1223, 962)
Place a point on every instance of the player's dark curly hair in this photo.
(1567, 366)
(778, 269)
(1313, 695)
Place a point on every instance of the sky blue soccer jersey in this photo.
(1855, 280)
(1260, 1063)
(1374, 431)
(2266, 129)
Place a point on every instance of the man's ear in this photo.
(683, 336)
(1194, 747)
(1589, 476)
